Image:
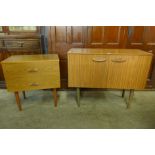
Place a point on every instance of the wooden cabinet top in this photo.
(108, 51)
(29, 58)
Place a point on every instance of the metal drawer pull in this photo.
(99, 59)
(34, 84)
(33, 70)
(118, 60)
(20, 44)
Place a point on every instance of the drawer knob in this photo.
(33, 70)
(99, 59)
(119, 60)
(34, 84)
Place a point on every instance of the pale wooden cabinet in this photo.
(32, 72)
(108, 68)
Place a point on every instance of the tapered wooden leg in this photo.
(24, 95)
(123, 93)
(78, 96)
(131, 93)
(18, 101)
(55, 97)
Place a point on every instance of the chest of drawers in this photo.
(108, 68)
(22, 44)
(18, 45)
(32, 72)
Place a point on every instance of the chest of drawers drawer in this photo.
(31, 82)
(22, 44)
(30, 68)
(1, 44)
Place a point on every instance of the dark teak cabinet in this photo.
(18, 40)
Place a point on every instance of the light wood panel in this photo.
(88, 71)
(129, 72)
(93, 71)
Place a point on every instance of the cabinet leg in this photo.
(123, 93)
(24, 95)
(78, 96)
(18, 101)
(55, 97)
(131, 93)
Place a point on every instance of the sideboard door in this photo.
(89, 71)
(128, 72)
(95, 69)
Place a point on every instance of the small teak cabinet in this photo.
(32, 72)
(108, 68)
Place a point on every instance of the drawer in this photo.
(31, 82)
(34, 68)
(22, 44)
(1, 44)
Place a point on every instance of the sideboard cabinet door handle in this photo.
(99, 59)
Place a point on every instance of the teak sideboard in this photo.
(125, 69)
(31, 72)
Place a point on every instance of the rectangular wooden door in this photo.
(88, 71)
(128, 72)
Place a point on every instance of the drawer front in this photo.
(1, 44)
(43, 81)
(87, 70)
(30, 68)
(128, 72)
(22, 44)
(34, 75)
